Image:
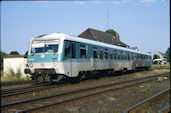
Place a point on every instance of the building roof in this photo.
(101, 37)
(15, 56)
(134, 48)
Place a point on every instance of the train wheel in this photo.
(39, 78)
(48, 78)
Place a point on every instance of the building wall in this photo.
(15, 64)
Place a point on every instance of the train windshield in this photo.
(50, 46)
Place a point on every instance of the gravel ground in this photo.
(114, 101)
(83, 84)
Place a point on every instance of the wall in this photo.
(15, 64)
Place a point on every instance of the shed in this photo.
(14, 62)
(101, 36)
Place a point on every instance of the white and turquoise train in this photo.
(56, 56)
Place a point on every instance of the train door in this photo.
(67, 59)
(74, 59)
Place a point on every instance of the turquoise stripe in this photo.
(47, 58)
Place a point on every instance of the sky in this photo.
(141, 23)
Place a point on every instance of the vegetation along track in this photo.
(43, 102)
(140, 107)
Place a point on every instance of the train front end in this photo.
(43, 61)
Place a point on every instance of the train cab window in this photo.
(82, 51)
(106, 53)
(73, 51)
(111, 54)
(67, 49)
(101, 53)
(95, 52)
(115, 54)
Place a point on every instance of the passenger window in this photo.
(67, 49)
(101, 53)
(95, 52)
(128, 55)
(73, 51)
(106, 53)
(119, 55)
(122, 56)
(111, 54)
(115, 54)
(82, 51)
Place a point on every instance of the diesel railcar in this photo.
(57, 55)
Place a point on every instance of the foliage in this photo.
(14, 53)
(155, 56)
(14, 76)
(168, 54)
(146, 88)
(111, 31)
(26, 53)
(2, 54)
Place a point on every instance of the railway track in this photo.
(34, 87)
(31, 105)
(139, 106)
(14, 84)
(27, 89)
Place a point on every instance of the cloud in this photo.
(79, 2)
(95, 1)
(122, 1)
(147, 1)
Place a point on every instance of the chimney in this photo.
(117, 36)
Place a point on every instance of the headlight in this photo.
(31, 65)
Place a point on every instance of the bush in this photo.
(14, 76)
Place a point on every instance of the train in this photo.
(57, 56)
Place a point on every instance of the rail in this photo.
(133, 108)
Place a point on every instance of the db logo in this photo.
(42, 64)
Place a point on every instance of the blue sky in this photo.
(141, 23)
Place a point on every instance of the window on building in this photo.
(106, 53)
(95, 52)
(67, 49)
(83, 51)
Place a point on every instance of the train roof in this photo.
(83, 40)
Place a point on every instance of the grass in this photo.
(156, 71)
(14, 76)
(146, 88)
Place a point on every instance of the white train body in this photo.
(60, 54)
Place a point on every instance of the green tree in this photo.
(155, 56)
(14, 53)
(2, 54)
(168, 54)
(26, 53)
(111, 31)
